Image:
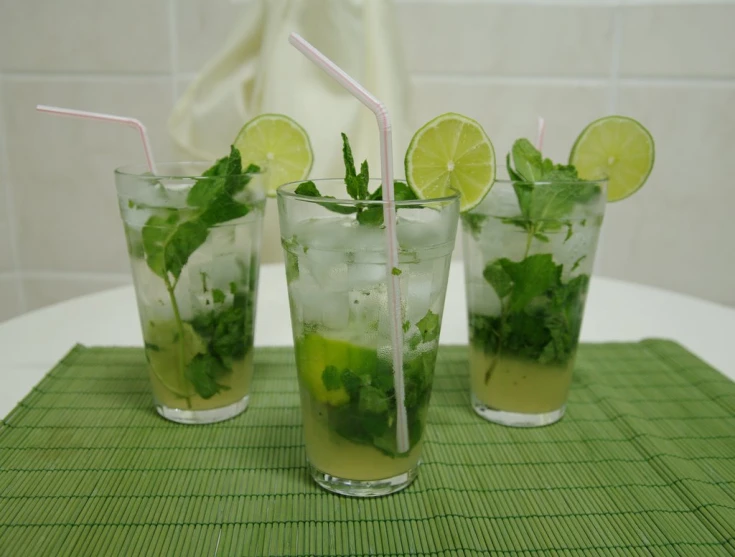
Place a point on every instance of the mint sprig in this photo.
(545, 207)
(357, 188)
(168, 241)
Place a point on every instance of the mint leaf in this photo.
(531, 277)
(577, 263)
(395, 271)
(351, 381)
(528, 161)
(218, 296)
(309, 189)
(169, 243)
(225, 178)
(373, 400)
(371, 216)
(496, 276)
(429, 326)
(473, 223)
(357, 184)
(227, 330)
(331, 378)
(401, 192)
(203, 372)
(552, 202)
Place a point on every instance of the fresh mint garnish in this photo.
(357, 188)
(168, 241)
(547, 193)
(357, 184)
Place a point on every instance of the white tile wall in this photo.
(60, 169)
(669, 64)
(105, 36)
(491, 38)
(201, 28)
(692, 40)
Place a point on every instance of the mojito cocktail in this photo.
(336, 266)
(528, 248)
(193, 233)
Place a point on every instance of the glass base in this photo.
(363, 488)
(183, 416)
(516, 419)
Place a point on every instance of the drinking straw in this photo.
(540, 134)
(132, 122)
(389, 218)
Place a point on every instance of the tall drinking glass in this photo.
(336, 263)
(527, 269)
(195, 262)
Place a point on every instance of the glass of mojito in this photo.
(336, 266)
(529, 248)
(193, 233)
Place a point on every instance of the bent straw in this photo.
(389, 218)
(540, 134)
(131, 122)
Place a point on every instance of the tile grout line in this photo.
(598, 81)
(82, 76)
(10, 205)
(121, 278)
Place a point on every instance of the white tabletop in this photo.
(30, 345)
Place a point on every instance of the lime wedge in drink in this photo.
(278, 145)
(314, 354)
(451, 152)
(617, 148)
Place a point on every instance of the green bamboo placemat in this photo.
(643, 463)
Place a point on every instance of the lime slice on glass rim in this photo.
(617, 148)
(451, 152)
(278, 145)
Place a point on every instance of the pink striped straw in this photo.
(540, 134)
(132, 122)
(389, 218)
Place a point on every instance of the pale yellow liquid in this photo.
(335, 455)
(520, 386)
(167, 369)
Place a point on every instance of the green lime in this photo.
(617, 148)
(278, 145)
(315, 353)
(451, 152)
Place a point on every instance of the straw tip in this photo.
(295, 38)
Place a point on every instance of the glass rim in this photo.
(283, 192)
(142, 171)
(509, 182)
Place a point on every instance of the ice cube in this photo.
(419, 296)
